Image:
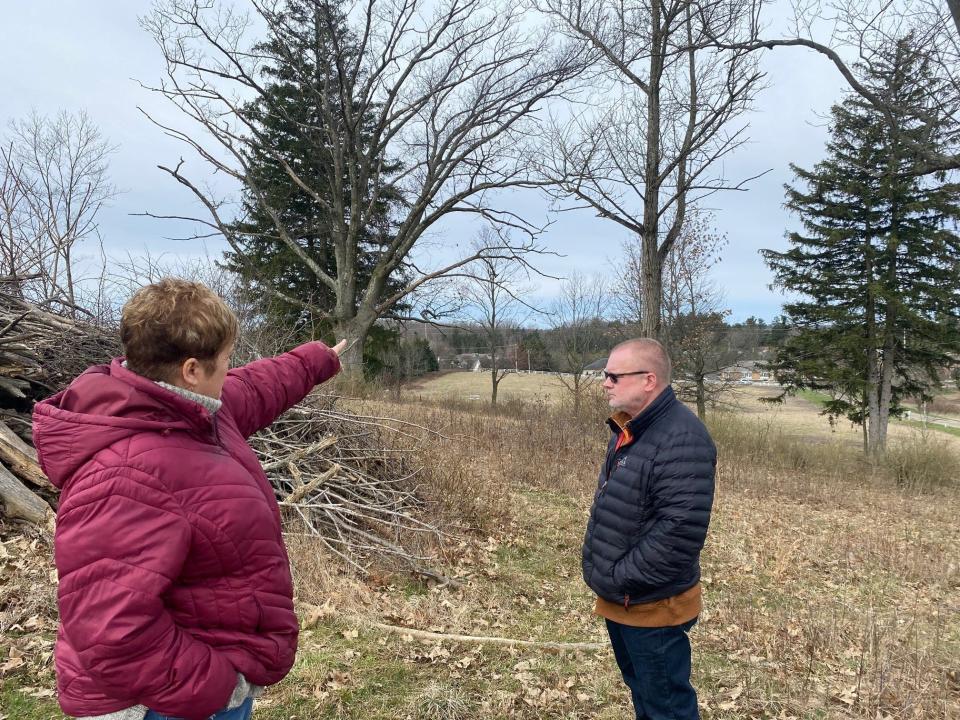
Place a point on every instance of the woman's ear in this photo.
(190, 373)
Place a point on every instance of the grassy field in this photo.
(797, 415)
(831, 591)
(476, 387)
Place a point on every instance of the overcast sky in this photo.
(72, 55)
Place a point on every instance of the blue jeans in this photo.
(243, 712)
(655, 664)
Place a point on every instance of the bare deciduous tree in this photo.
(580, 332)
(55, 182)
(666, 111)
(450, 90)
(16, 270)
(856, 32)
(493, 293)
(258, 336)
(693, 312)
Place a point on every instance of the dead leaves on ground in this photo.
(27, 610)
(809, 610)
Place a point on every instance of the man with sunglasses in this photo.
(651, 509)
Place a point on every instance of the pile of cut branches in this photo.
(333, 472)
(39, 353)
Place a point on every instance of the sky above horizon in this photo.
(70, 55)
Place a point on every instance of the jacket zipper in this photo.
(609, 465)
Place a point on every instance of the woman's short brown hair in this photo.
(166, 323)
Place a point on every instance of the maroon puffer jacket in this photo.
(173, 573)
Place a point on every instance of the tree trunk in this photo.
(493, 328)
(652, 287)
(954, 6)
(873, 402)
(68, 264)
(701, 398)
(577, 389)
(354, 330)
(21, 458)
(872, 421)
(866, 437)
(886, 384)
(891, 296)
(652, 267)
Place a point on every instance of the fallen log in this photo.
(15, 387)
(19, 502)
(20, 423)
(21, 459)
(318, 613)
(481, 639)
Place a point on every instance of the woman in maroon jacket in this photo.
(175, 592)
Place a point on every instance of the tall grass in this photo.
(473, 454)
(757, 453)
(944, 406)
(923, 461)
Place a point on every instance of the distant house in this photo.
(596, 367)
(471, 361)
(745, 371)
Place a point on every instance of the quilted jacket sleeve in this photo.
(258, 393)
(119, 544)
(681, 497)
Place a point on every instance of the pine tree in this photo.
(291, 124)
(533, 353)
(876, 266)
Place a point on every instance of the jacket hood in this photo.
(105, 405)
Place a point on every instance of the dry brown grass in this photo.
(946, 402)
(832, 589)
(795, 416)
(474, 387)
(846, 605)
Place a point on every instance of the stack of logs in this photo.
(40, 353)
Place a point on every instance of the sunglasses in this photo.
(614, 377)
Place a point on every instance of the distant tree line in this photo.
(541, 349)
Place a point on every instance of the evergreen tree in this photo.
(876, 266)
(532, 352)
(410, 359)
(291, 123)
(696, 350)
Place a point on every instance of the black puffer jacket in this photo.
(652, 507)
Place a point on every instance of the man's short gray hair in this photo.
(655, 352)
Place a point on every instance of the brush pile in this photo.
(334, 474)
(39, 353)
